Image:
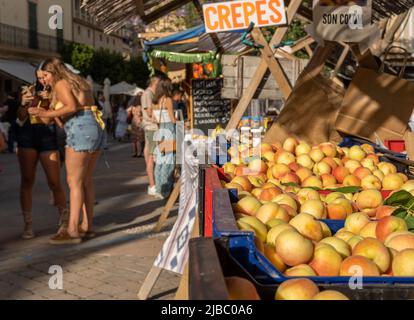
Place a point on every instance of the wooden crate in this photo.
(238, 73)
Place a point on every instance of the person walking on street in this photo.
(121, 123)
(150, 127)
(179, 104)
(165, 153)
(73, 102)
(106, 108)
(10, 107)
(137, 132)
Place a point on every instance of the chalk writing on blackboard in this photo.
(209, 109)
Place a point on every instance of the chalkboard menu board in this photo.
(209, 109)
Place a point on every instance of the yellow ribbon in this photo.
(98, 116)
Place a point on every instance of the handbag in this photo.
(167, 146)
(130, 117)
(3, 144)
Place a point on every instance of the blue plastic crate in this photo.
(243, 249)
(350, 141)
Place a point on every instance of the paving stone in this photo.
(127, 296)
(33, 285)
(69, 285)
(14, 277)
(100, 270)
(24, 297)
(35, 297)
(120, 280)
(109, 289)
(92, 283)
(116, 263)
(66, 296)
(31, 273)
(50, 292)
(41, 266)
(82, 292)
(78, 267)
(72, 277)
(101, 296)
(90, 272)
(5, 284)
(54, 294)
(99, 275)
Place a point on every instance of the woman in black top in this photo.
(38, 141)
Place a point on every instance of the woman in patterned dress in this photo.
(137, 132)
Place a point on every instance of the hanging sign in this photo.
(343, 20)
(237, 15)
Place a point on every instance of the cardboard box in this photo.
(409, 144)
(376, 103)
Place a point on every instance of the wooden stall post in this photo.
(273, 64)
(167, 209)
(261, 70)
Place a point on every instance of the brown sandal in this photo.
(64, 238)
(86, 234)
(28, 226)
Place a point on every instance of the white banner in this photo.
(174, 253)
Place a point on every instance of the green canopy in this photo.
(178, 57)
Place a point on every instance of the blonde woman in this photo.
(73, 102)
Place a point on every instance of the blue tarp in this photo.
(180, 36)
(194, 32)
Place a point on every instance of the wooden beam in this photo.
(192, 40)
(149, 283)
(261, 70)
(164, 10)
(299, 45)
(309, 51)
(140, 7)
(305, 13)
(151, 35)
(283, 54)
(214, 37)
(302, 43)
(167, 209)
(341, 60)
(275, 68)
(317, 62)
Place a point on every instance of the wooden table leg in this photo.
(167, 209)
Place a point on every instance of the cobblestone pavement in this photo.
(111, 266)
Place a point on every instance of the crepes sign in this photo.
(237, 15)
(342, 20)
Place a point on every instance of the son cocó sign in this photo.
(236, 15)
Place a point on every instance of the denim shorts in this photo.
(39, 137)
(83, 133)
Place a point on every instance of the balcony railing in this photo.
(82, 15)
(26, 39)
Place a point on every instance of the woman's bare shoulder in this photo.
(168, 101)
(63, 85)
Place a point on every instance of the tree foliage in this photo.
(103, 63)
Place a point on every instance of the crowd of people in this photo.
(59, 121)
